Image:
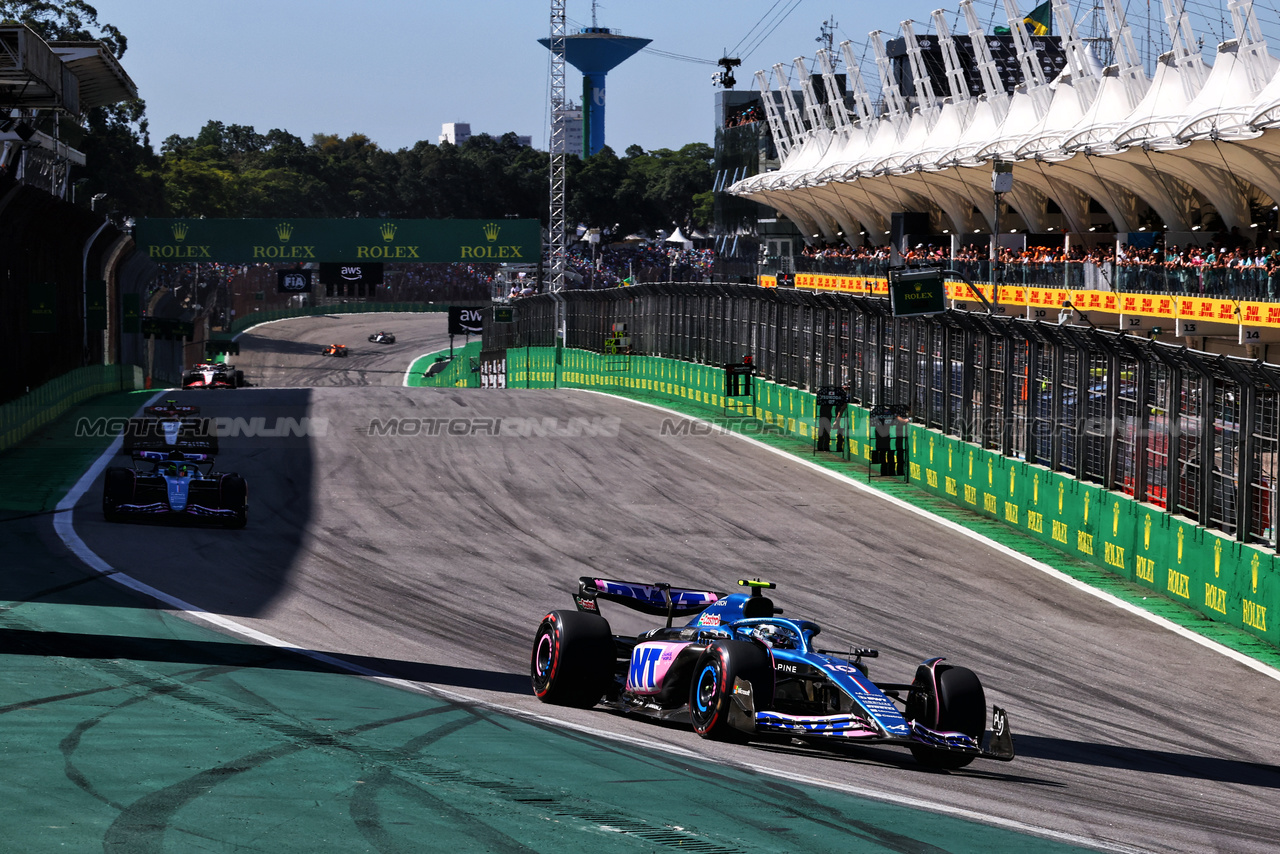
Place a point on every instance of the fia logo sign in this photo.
(293, 281)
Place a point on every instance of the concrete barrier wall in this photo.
(24, 416)
(1227, 581)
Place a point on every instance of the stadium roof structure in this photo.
(63, 77)
(1188, 140)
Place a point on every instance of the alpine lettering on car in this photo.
(789, 669)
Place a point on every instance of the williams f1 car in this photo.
(382, 338)
(738, 670)
(334, 350)
(180, 486)
(212, 375)
(167, 427)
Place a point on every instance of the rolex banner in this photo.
(130, 313)
(42, 299)
(356, 241)
(96, 305)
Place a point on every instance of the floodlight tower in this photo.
(595, 51)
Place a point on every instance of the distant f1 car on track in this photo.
(168, 426)
(738, 670)
(212, 375)
(382, 338)
(334, 350)
(175, 488)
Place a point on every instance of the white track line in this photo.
(408, 372)
(63, 523)
(1247, 661)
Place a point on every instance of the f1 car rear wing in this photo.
(172, 456)
(660, 600)
(170, 409)
(195, 435)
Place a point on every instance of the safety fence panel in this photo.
(1190, 433)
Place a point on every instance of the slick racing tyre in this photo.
(711, 691)
(573, 659)
(957, 705)
(235, 496)
(117, 489)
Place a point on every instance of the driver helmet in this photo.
(775, 636)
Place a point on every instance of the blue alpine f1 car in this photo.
(180, 486)
(739, 670)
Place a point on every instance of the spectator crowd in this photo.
(1228, 266)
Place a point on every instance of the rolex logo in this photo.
(180, 231)
(491, 230)
(284, 231)
(388, 231)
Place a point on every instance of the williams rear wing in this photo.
(660, 600)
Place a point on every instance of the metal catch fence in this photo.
(1192, 433)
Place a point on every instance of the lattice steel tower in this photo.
(557, 244)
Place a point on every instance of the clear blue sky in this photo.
(395, 70)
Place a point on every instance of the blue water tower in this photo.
(595, 51)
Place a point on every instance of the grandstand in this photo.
(1112, 164)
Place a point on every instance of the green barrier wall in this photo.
(22, 417)
(1225, 580)
(240, 324)
(458, 374)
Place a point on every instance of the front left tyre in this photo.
(714, 676)
(235, 496)
(950, 699)
(117, 489)
(573, 659)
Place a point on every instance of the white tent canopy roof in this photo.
(1151, 153)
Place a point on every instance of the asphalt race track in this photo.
(435, 554)
(286, 354)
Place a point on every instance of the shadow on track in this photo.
(230, 654)
(1146, 761)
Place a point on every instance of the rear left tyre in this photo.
(573, 659)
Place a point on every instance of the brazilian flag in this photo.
(1039, 21)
